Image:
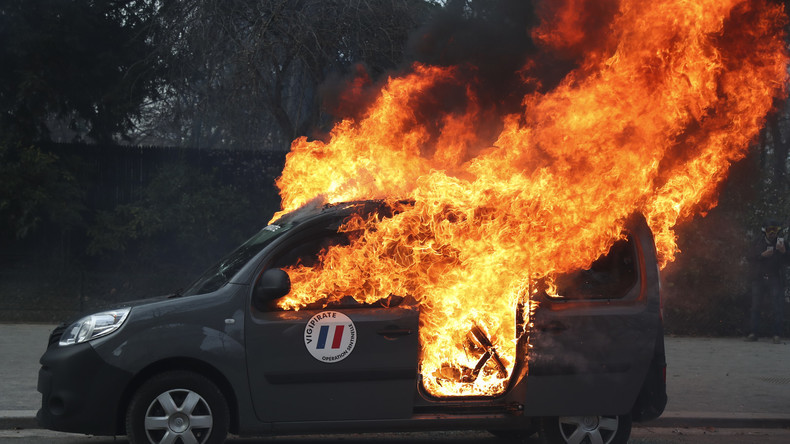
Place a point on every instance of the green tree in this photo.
(185, 220)
(36, 189)
(82, 65)
(247, 73)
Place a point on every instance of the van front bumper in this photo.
(81, 393)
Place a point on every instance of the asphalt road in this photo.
(640, 435)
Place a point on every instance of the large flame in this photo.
(649, 121)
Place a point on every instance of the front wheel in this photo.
(177, 407)
(586, 429)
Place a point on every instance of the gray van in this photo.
(219, 357)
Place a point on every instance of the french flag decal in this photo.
(330, 336)
(337, 336)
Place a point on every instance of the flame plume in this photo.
(649, 121)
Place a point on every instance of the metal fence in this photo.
(39, 280)
(115, 175)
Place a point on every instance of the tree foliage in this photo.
(184, 219)
(707, 289)
(83, 65)
(246, 73)
(256, 74)
(37, 189)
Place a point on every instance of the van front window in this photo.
(219, 274)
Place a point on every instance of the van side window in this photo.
(306, 252)
(611, 276)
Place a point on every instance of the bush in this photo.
(184, 221)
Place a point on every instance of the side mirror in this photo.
(273, 284)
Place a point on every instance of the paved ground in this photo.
(640, 435)
(728, 375)
(716, 382)
(21, 345)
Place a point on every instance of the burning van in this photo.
(245, 350)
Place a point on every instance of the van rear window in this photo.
(611, 276)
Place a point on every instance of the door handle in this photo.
(392, 333)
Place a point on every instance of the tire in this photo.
(177, 407)
(586, 429)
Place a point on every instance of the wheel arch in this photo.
(184, 364)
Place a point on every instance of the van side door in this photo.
(344, 361)
(593, 342)
(333, 364)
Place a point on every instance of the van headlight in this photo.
(94, 326)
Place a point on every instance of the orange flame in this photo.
(649, 122)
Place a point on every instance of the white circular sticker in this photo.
(330, 336)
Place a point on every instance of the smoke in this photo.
(577, 86)
(490, 44)
(502, 51)
(496, 63)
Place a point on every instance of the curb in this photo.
(719, 420)
(18, 419)
(26, 419)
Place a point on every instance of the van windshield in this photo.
(220, 273)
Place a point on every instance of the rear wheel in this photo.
(177, 407)
(586, 429)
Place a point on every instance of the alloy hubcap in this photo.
(589, 422)
(588, 429)
(179, 423)
(178, 416)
